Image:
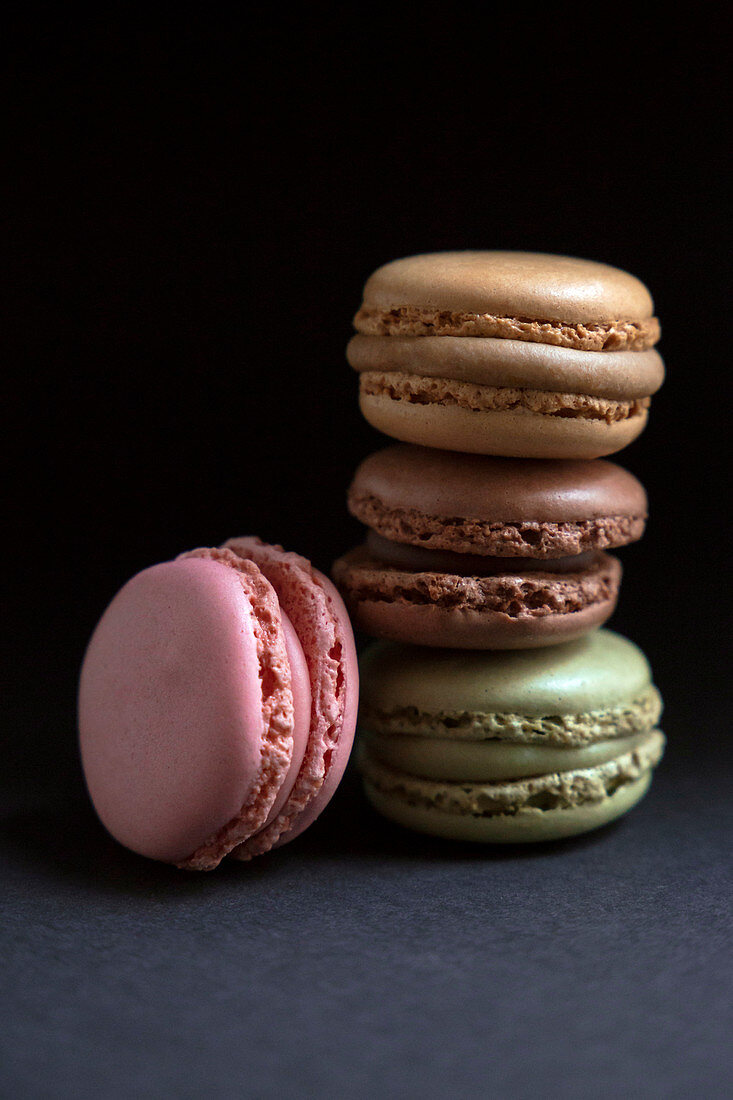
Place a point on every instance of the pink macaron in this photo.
(217, 704)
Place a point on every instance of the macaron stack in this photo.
(494, 707)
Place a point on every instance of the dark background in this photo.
(193, 206)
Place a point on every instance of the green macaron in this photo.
(508, 746)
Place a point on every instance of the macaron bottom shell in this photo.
(510, 433)
(527, 825)
(505, 611)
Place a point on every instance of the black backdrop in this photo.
(193, 211)
(193, 206)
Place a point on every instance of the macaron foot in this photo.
(526, 826)
(322, 624)
(599, 337)
(514, 610)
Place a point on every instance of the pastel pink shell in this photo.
(216, 707)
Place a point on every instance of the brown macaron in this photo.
(507, 353)
(476, 552)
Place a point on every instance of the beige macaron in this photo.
(507, 353)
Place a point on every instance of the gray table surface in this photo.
(364, 960)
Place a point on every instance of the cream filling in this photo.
(490, 761)
(422, 560)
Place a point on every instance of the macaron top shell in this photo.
(597, 671)
(448, 488)
(517, 284)
(186, 710)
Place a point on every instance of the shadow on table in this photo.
(68, 842)
(351, 827)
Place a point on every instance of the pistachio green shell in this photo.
(525, 826)
(599, 670)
